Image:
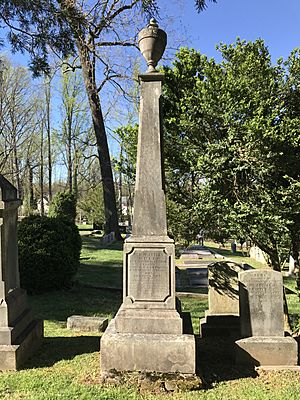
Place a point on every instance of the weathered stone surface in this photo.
(262, 324)
(149, 275)
(266, 351)
(20, 334)
(189, 256)
(149, 200)
(223, 292)
(87, 324)
(261, 303)
(222, 317)
(148, 321)
(147, 332)
(12, 356)
(146, 352)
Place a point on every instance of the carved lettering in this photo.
(148, 275)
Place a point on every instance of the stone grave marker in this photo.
(148, 332)
(20, 333)
(87, 324)
(262, 321)
(222, 317)
(198, 277)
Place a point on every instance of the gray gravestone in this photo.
(148, 332)
(20, 334)
(261, 299)
(262, 321)
(87, 324)
(222, 317)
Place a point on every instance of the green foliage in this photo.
(49, 252)
(63, 206)
(128, 136)
(92, 207)
(36, 26)
(232, 143)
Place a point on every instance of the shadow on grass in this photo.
(60, 305)
(94, 243)
(226, 252)
(107, 274)
(55, 349)
(216, 362)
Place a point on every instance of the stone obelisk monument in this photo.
(148, 332)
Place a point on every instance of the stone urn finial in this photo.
(152, 43)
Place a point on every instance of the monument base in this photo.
(148, 321)
(166, 353)
(220, 325)
(267, 351)
(12, 356)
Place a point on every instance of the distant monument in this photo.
(148, 333)
(262, 321)
(20, 334)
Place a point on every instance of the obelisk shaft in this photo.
(149, 218)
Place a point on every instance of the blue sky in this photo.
(275, 21)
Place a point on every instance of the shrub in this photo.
(63, 206)
(49, 252)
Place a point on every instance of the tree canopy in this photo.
(232, 143)
(36, 27)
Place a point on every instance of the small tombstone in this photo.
(262, 321)
(87, 324)
(20, 334)
(197, 276)
(291, 266)
(222, 317)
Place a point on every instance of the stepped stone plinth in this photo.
(20, 333)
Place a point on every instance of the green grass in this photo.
(85, 227)
(100, 266)
(67, 364)
(237, 257)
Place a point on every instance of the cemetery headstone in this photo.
(262, 321)
(222, 317)
(148, 333)
(20, 334)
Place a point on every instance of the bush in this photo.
(49, 253)
(63, 206)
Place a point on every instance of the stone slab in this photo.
(87, 324)
(189, 256)
(13, 356)
(198, 263)
(149, 275)
(147, 352)
(261, 303)
(223, 292)
(148, 321)
(267, 351)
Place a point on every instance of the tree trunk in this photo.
(48, 99)
(17, 170)
(69, 154)
(109, 196)
(42, 173)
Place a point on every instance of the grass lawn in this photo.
(67, 364)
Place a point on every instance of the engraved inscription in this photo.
(148, 275)
(262, 304)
